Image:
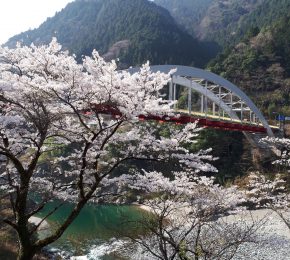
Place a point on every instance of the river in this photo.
(94, 227)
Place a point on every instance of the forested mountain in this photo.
(224, 21)
(260, 64)
(265, 14)
(188, 13)
(138, 30)
(214, 20)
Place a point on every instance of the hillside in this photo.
(224, 21)
(188, 13)
(260, 65)
(144, 31)
(265, 14)
(212, 20)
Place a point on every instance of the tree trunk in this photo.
(26, 249)
(26, 253)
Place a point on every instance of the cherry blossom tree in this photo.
(186, 218)
(261, 192)
(282, 146)
(65, 129)
(280, 202)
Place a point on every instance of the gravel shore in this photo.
(36, 220)
(273, 235)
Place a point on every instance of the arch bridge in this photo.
(212, 100)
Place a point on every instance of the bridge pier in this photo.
(189, 99)
(201, 104)
(206, 96)
(174, 95)
(170, 94)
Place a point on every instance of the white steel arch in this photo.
(206, 92)
(191, 77)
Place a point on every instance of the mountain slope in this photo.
(209, 19)
(150, 31)
(240, 17)
(265, 14)
(224, 21)
(260, 65)
(188, 13)
(223, 17)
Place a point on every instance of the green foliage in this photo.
(85, 25)
(228, 21)
(225, 22)
(260, 65)
(186, 12)
(227, 147)
(267, 13)
(190, 15)
(213, 20)
(252, 32)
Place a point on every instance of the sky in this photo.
(17, 16)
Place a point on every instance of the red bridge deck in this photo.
(185, 119)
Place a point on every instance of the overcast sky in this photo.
(17, 16)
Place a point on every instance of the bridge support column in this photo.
(205, 105)
(189, 99)
(242, 111)
(220, 98)
(170, 95)
(231, 104)
(174, 94)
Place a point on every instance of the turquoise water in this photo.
(94, 226)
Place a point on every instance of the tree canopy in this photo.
(66, 128)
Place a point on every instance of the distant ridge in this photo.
(149, 30)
